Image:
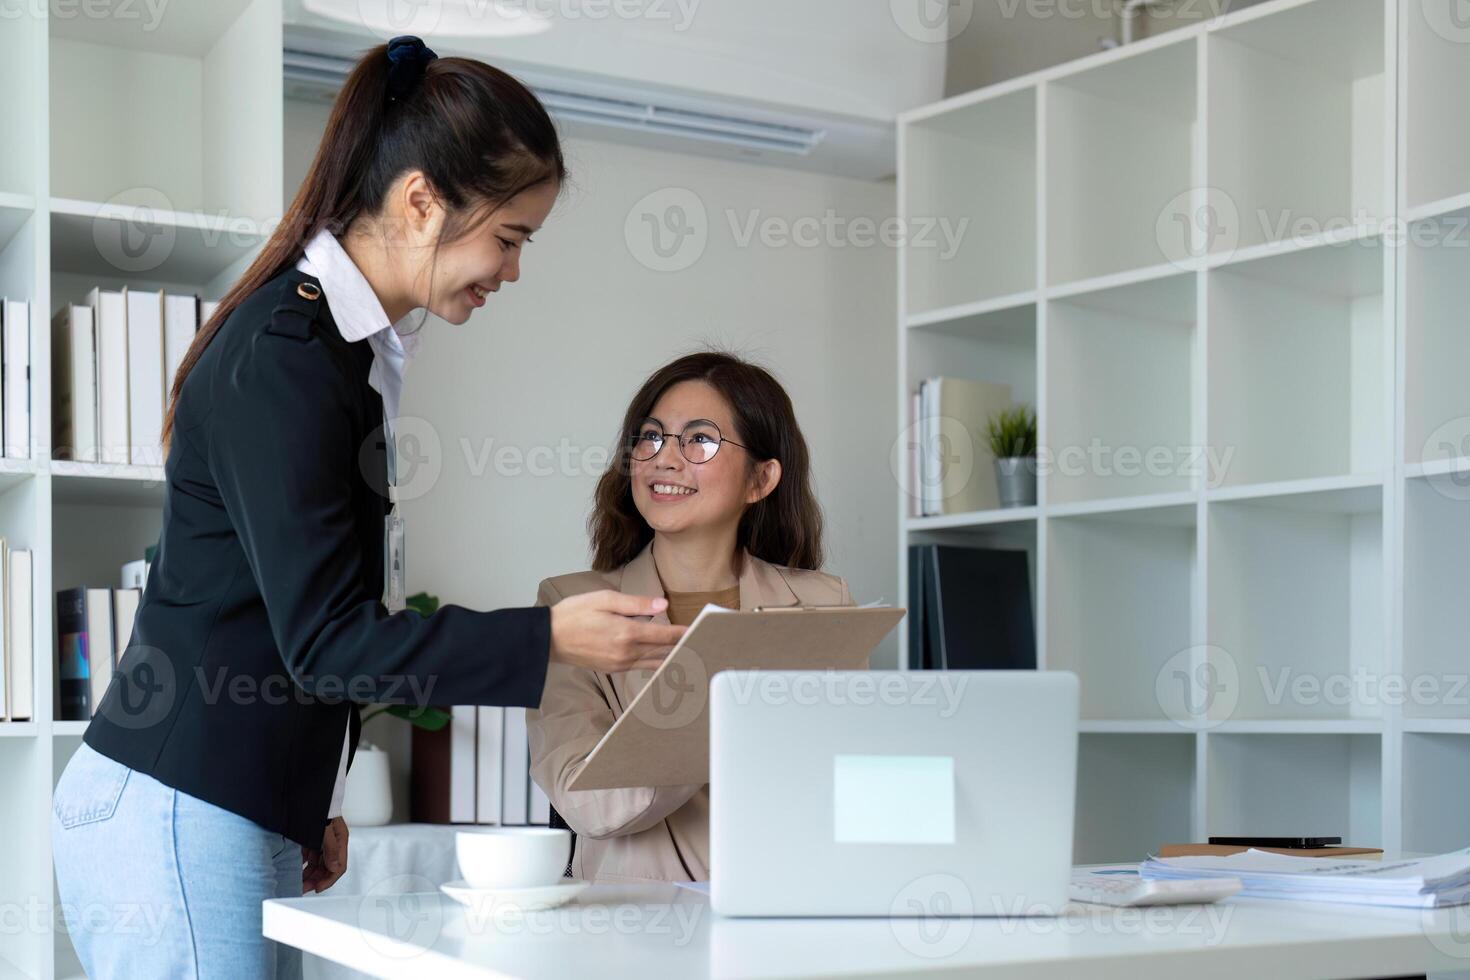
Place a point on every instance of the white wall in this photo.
(552, 360)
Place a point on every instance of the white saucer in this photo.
(525, 899)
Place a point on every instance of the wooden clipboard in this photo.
(662, 739)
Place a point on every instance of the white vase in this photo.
(368, 799)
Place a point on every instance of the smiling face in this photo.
(479, 262)
(674, 495)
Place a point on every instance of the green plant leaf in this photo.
(429, 719)
(1012, 433)
(422, 603)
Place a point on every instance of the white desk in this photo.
(394, 859)
(644, 931)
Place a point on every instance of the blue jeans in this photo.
(157, 883)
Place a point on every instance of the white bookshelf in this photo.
(1316, 349)
(142, 154)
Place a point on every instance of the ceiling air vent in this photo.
(319, 76)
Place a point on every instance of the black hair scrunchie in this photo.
(407, 59)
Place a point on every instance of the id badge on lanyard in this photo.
(395, 573)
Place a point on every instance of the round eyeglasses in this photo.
(699, 441)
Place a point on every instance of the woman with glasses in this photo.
(708, 500)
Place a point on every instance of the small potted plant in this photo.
(368, 799)
(1012, 435)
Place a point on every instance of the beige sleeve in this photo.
(573, 717)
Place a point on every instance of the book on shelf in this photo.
(93, 626)
(20, 652)
(180, 321)
(115, 359)
(919, 657)
(428, 775)
(953, 465)
(75, 617)
(101, 653)
(462, 736)
(74, 384)
(516, 772)
(110, 314)
(17, 379)
(145, 376)
(916, 453)
(476, 770)
(970, 609)
(489, 750)
(442, 770)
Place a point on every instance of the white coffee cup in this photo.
(512, 857)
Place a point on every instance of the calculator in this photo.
(1128, 889)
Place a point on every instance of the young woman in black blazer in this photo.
(211, 772)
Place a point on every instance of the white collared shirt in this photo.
(359, 315)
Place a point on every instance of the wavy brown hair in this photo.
(479, 135)
(784, 528)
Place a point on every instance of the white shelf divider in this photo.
(1438, 209)
(139, 242)
(972, 519)
(1002, 309)
(1437, 726)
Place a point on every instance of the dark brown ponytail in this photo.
(479, 135)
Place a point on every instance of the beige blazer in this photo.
(649, 833)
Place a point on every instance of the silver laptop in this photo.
(908, 793)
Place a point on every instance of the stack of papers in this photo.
(1431, 882)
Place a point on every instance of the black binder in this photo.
(970, 609)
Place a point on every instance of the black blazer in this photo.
(262, 627)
